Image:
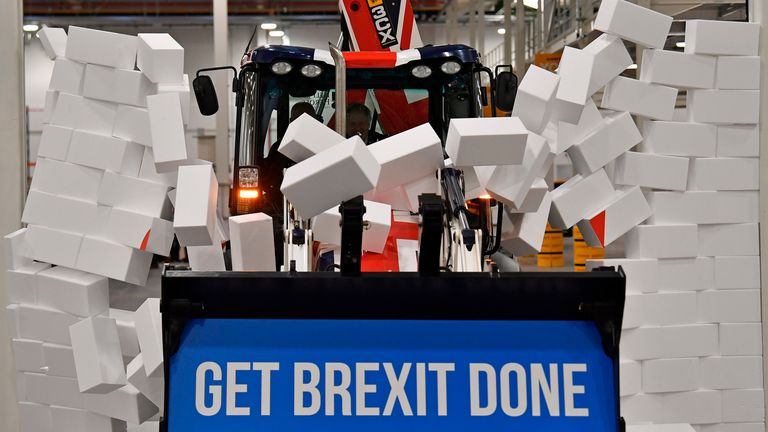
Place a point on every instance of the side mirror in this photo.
(205, 93)
(506, 90)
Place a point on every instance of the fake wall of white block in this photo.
(678, 69)
(724, 373)
(534, 102)
(114, 260)
(407, 156)
(737, 272)
(101, 47)
(54, 41)
(160, 57)
(98, 360)
(610, 140)
(306, 137)
(126, 404)
(486, 141)
(133, 194)
(59, 360)
(149, 332)
(569, 134)
(731, 306)
(670, 375)
(724, 174)
(729, 240)
(73, 420)
(132, 124)
(738, 141)
(652, 171)
(575, 70)
(67, 214)
(722, 38)
(701, 406)
(679, 139)
(744, 405)
(252, 241)
(611, 58)
(525, 234)
(642, 274)
(691, 207)
(66, 179)
(662, 241)
(641, 98)
(510, 184)
(53, 246)
(151, 387)
(22, 282)
(123, 86)
(630, 377)
(738, 73)
(686, 274)
(724, 106)
(49, 390)
(340, 173)
(379, 218)
(694, 340)
(741, 339)
(579, 197)
(73, 291)
(77, 112)
(45, 324)
(35, 417)
(195, 211)
(105, 152)
(633, 23)
(28, 355)
(140, 231)
(54, 142)
(628, 209)
(166, 125)
(67, 76)
(14, 248)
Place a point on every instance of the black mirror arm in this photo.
(235, 80)
(491, 86)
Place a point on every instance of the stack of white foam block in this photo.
(692, 345)
(97, 208)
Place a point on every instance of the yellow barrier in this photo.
(551, 254)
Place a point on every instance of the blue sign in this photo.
(391, 375)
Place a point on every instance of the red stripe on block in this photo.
(145, 241)
(370, 59)
(598, 224)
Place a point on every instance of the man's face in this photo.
(358, 124)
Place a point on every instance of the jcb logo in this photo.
(383, 24)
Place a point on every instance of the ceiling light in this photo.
(31, 27)
(680, 44)
(632, 67)
(268, 26)
(501, 31)
(276, 33)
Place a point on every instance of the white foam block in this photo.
(54, 41)
(35, 417)
(166, 125)
(678, 69)
(326, 227)
(114, 260)
(123, 86)
(414, 189)
(738, 73)
(149, 330)
(207, 258)
(77, 112)
(140, 231)
(670, 375)
(67, 76)
(379, 218)
(126, 404)
(66, 179)
(105, 152)
(54, 142)
(101, 47)
(15, 246)
(395, 197)
(646, 343)
(738, 141)
(73, 291)
(630, 377)
(50, 390)
(523, 233)
(160, 57)
(126, 329)
(729, 239)
(744, 405)
(28, 355)
(486, 141)
(724, 106)
(569, 134)
(133, 194)
(662, 241)
(306, 137)
(703, 207)
(152, 388)
(633, 23)
(252, 241)
(735, 272)
(722, 38)
(407, 156)
(149, 172)
(701, 406)
(686, 274)
(67, 214)
(325, 180)
(23, 282)
(641, 98)
(59, 360)
(732, 306)
(533, 198)
(12, 319)
(641, 273)
(575, 70)
(652, 171)
(675, 427)
(132, 124)
(75, 420)
(195, 211)
(670, 308)
(627, 210)
(741, 339)
(610, 60)
(724, 174)
(679, 139)
(98, 360)
(45, 324)
(610, 140)
(642, 407)
(724, 373)
(534, 98)
(579, 197)
(183, 90)
(51, 97)
(53, 246)
(510, 183)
